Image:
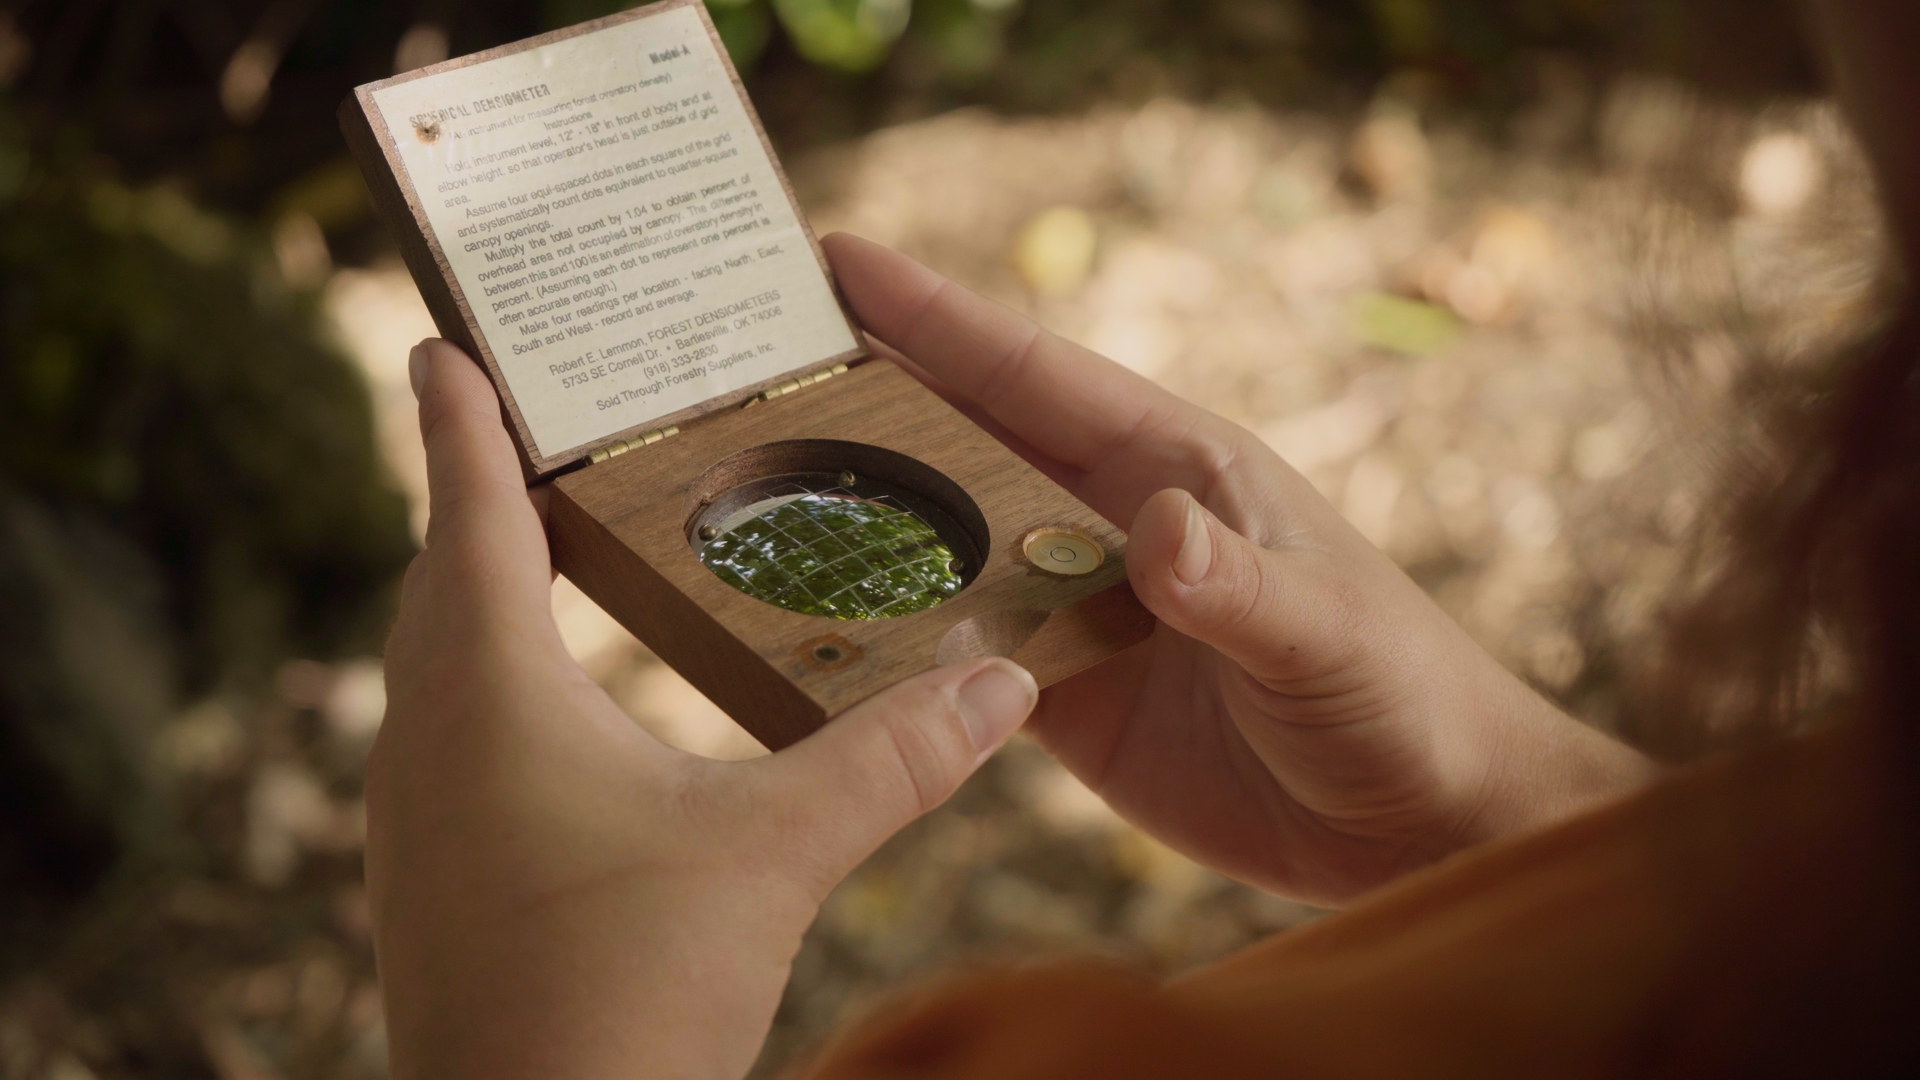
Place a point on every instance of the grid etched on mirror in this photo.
(837, 546)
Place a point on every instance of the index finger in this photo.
(1066, 401)
(1126, 437)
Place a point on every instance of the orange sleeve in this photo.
(1570, 953)
(1063, 1021)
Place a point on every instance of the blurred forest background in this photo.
(1501, 276)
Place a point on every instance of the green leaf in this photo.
(1402, 325)
(851, 35)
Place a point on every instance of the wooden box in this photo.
(596, 216)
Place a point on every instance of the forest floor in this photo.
(1515, 365)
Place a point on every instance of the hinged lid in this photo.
(597, 216)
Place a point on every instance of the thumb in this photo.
(1280, 614)
(895, 756)
(485, 575)
(482, 523)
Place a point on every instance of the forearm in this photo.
(613, 981)
(1544, 766)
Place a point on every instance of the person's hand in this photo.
(554, 892)
(1304, 718)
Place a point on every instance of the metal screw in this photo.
(847, 479)
(826, 654)
(709, 532)
(955, 565)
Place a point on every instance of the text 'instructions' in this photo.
(616, 225)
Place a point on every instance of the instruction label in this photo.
(616, 225)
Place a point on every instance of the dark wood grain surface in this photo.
(619, 530)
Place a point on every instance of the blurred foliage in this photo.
(146, 80)
(162, 378)
(830, 69)
(1474, 44)
(1469, 37)
(745, 26)
(189, 489)
(845, 35)
(852, 35)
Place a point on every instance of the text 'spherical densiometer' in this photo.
(616, 225)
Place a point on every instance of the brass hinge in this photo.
(788, 387)
(645, 438)
(648, 438)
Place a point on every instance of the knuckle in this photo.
(924, 741)
(919, 779)
(1011, 366)
(1252, 602)
(687, 788)
(1257, 591)
(1218, 450)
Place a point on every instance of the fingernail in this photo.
(1195, 557)
(417, 369)
(995, 701)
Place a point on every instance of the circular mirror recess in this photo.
(838, 543)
